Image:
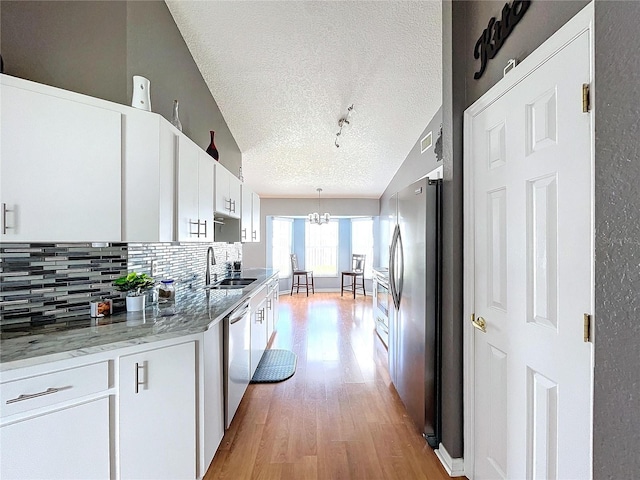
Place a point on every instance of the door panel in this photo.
(532, 175)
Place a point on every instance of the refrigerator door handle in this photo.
(392, 267)
(401, 276)
(392, 249)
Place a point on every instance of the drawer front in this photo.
(51, 388)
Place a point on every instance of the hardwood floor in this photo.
(338, 417)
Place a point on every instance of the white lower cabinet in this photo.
(213, 418)
(258, 306)
(273, 305)
(69, 443)
(132, 413)
(157, 413)
(48, 412)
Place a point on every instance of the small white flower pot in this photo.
(135, 304)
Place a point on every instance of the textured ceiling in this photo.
(284, 73)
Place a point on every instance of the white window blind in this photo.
(321, 249)
(281, 245)
(362, 242)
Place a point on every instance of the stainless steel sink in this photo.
(232, 283)
(237, 281)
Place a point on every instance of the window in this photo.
(281, 248)
(321, 249)
(362, 241)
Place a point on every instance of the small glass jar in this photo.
(166, 291)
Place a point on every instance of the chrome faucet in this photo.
(211, 260)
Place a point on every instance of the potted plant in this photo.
(135, 284)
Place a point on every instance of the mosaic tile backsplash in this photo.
(185, 263)
(42, 283)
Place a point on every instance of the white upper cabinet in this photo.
(195, 193)
(60, 167)
(255, 217)
(245, 230)
(250, 231)
(150, 145)
(227, 199)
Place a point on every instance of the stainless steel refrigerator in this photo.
(415, 325)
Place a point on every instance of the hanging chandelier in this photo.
(315, 217)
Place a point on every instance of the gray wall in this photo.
(78, 46)
(617, 200)
(417, 164)
(454, 30)
(617, 242)
(95, 47)
(542, 19)
(463, 23)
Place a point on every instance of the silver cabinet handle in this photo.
(138, 382)
(260, 317)
(233, 202)
(191, 232)
(244, 234)
(268, 304)
(29, 396)
(5, 227)
(199, 224)
(254, 235)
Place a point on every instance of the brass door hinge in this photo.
(587, 327)
(586, 98)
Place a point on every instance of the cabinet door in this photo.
(157, 425)
(72, 443)
(258, 334)
(270, 318)
(60, 166)
(272, 308)
(213, 421)
(168, 157)
(141, 142)
(148, 178)
(276, 305)
(234, 195)
(188, 225)
(205, 196)
(222, 202)
(255, 217)
(246, 219)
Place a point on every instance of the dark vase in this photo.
(211, 149)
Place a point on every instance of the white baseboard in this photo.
(453, 466)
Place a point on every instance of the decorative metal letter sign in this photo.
(497, 32)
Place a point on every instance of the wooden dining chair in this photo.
(357, 271)
(297, 274)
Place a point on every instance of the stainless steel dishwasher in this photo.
(237, 356)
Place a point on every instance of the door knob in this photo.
(480, 323)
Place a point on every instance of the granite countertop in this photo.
(194, 311)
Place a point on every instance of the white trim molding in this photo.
(453, 466)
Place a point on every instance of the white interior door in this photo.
(533, 254)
